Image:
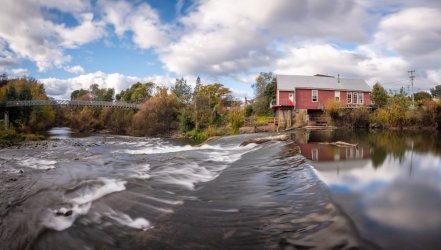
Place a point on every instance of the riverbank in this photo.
(11, 137)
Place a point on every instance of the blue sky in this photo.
(71, 44)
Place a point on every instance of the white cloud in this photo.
(363, 62)
(412, 33)
(19, 72)
(62, 88)
(87, 31)
(142, 20)
(29, 34)
(216, 41)
(77, 69)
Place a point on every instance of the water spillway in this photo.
(119, 192)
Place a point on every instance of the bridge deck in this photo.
(75, 103)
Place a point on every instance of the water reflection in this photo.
(59, 133)
(390, 184)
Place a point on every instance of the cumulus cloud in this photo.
(141, 19)
(77, 69)
(29, 34)
(363, 62)
(414, 34)
(216, 41)
(374, 40)
(19, 72)
(87, 31)
(61, 88)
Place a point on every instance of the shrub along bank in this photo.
(392, 112)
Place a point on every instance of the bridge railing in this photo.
(78, 103)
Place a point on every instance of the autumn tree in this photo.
(158, 115)
(27, 118)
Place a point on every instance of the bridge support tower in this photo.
(6, 120)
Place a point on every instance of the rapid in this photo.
(120, 192)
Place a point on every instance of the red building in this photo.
(301, 99)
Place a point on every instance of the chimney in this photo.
(338, 78)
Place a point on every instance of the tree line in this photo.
(198, 112)
(391, 110)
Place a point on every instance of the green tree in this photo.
(182, 90)
(436, 91)
(137, 93)
(236, 118)
(186, 122)
(105, 95)
(80, 94)
(248, 110)
(197, 103)
(422, 96)
(214, 92)
(25, 94)
(379, 95)
(264, 89)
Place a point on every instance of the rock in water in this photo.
(261, 140)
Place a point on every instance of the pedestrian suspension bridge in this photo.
(71, 103)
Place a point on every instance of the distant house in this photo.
(302, 99)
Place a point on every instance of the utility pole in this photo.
(412, 77)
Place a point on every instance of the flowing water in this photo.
(118, 192)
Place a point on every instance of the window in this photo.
(337, 96)
(314, 95)
(360, 98)
(355, 100)
(349, 97)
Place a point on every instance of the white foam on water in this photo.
(185, 175)
(61, 222)
(139, 172)
(158, 149)
(36, 163)
(81, 203)
(91, 194)
(126, 220)
(165, 201)
(215, 159)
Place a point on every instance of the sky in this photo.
(69, 45)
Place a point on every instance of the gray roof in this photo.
(291, 82)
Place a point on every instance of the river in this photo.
(120, 192)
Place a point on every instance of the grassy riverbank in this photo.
(11, 137)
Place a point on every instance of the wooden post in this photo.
(6, 120)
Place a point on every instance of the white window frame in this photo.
(337, 95)
(355, 98)
(316, 95)
(360, 98)
(349, 97)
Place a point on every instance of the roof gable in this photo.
(291, 82)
